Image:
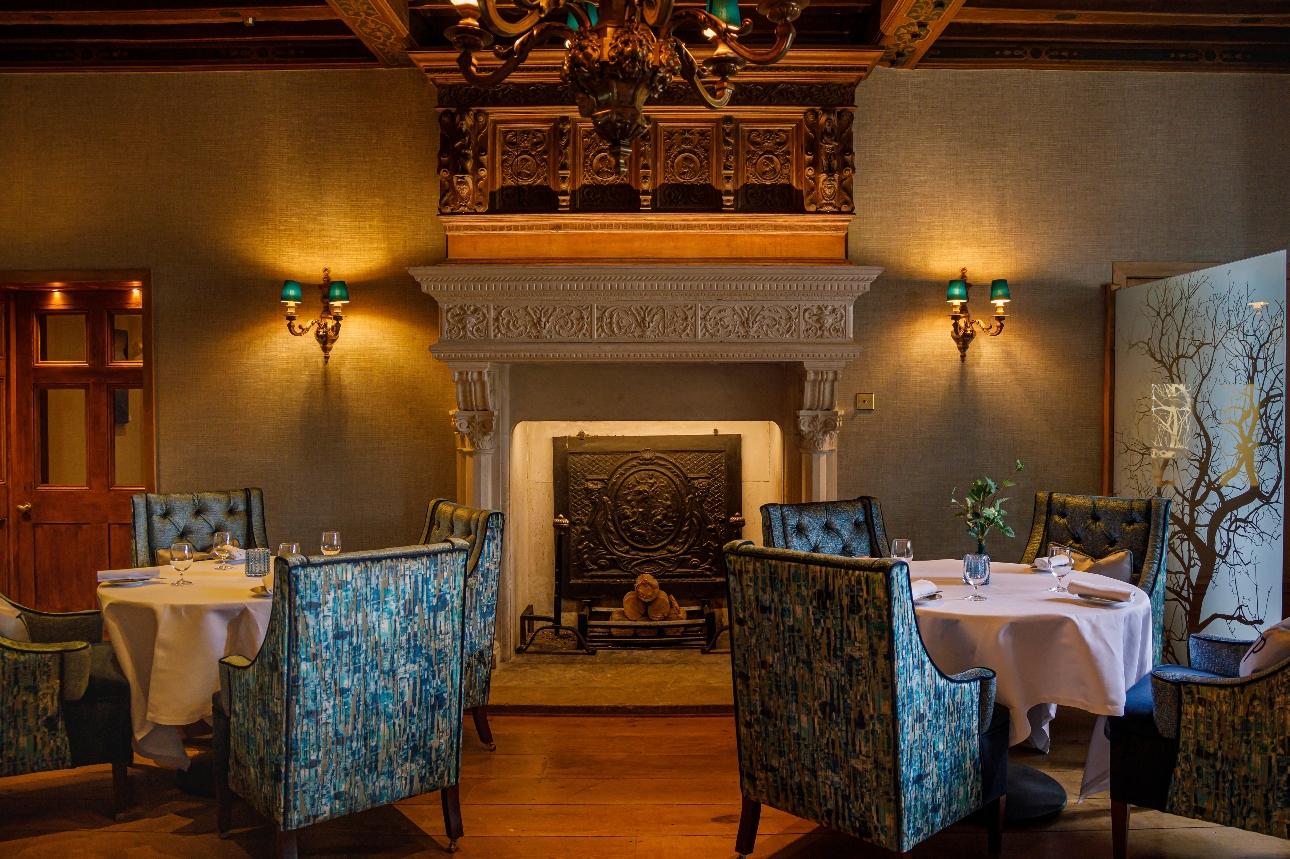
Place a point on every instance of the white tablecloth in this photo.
(169, 641)
(1045, 648)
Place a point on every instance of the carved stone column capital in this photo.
(819, 429)
(474, 429)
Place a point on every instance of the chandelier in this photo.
(619, 53)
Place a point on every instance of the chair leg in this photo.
(120, 789)
(285, 840)
(1119, 829)
(451, 798)
(995, 812)
(224, 807)
(480, 715)
(749, 817)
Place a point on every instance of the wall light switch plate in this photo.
(864, 402)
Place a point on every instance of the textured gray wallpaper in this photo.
(226, 183)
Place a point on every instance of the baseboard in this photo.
(611, 709)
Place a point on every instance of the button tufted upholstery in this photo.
(160, 520)
(852, 529)
(1099, 525)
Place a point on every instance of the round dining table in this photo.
(1045, 648)
(169, 640)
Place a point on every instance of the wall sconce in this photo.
(963, 328)
(326, 327)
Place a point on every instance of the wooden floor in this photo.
(565, 787)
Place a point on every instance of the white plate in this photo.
(934, 595)
(1100, 601)
(127, 583)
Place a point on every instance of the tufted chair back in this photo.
(1099, 525)
(482, 529)
(160, 520)
(852, 529)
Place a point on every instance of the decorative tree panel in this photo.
(1200, 383)
(661, 505)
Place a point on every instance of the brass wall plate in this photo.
(864, 402)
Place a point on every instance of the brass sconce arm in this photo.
(326, 328)
(963, 327)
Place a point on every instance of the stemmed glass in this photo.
(222, 548)
(902, 550)
(181, 559)
(976, 569)
(1055, 551)
(331, 543)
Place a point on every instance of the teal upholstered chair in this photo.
(852, 529)
(1205, 743)
(160, 520)
(446, 519)
(1099, 525)
(63, 700)
(841, 716)
(354, 699)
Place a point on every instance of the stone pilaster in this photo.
(818, 422)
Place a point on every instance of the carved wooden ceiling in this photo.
(1201, 35)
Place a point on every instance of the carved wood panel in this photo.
(524, 180)
(766, 167)
(688, 160)
(598, 185)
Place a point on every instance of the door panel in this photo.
(81, 442)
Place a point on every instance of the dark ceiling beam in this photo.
(382, 25)
(178, 34)
(1111, 35)
(1073, 17)
(910, 27)
(1247, 8)
(234, 15)
(244, 55)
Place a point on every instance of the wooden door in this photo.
(81, 438)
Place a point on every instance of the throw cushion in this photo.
(1270, 648)
(12, 625)
(1117, 565)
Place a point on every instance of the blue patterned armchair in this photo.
(1099, 525)
(852, 529)
(446, 519)
(160, 520)
(354, 699)
(63, 700)
(1205, 743)
(841, 716)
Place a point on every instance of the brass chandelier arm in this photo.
(690, 71)
(656, 12)
(494, 22)
(513, 55)
(784, 35)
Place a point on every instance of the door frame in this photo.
(73, 279)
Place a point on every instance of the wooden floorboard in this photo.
(573, 787)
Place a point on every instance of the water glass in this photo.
(222, 548)
(1056, 551)
(976, 569)
(285, 549)
(181, 559)
(331, 543)
(902, 550)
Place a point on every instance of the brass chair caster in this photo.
(452, 846)
(492, 747)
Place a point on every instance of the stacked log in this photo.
(647, 600)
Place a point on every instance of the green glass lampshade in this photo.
(591, 14)
(291, 290)
(957, 291)
(999, 291)
(726, 10)
(337, 293)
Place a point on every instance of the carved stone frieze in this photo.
(463, 161)
(465, 322)
(830, 160)
(542, 321)
(746, 321)
(819, 429)
(824, 321)
(646, 321)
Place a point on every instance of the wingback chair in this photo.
(841, 716)
(1205, 743)
(354, 699)
(852, 529)
(446, 519)
(63, 700)
(1099, 525)
(160, 520)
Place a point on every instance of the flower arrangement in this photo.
(983, 510)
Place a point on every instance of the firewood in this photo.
(647, 632)
(633, 607)
(646, 588)
(676, 613)
(659, 608)
(619, 631)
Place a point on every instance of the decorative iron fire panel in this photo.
(663, 505)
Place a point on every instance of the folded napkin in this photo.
(922, 588)
(138, 573)
(238, 555)
(1101, 587)
(1051, 565)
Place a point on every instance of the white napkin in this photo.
(238, 555)
(921, 588)
(137, 573)
(1102, 587)
(1051, 565)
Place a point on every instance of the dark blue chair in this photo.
(850, 529)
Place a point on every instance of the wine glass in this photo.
(1056, 551)
(285, 549)
(222, 548)
(331, 543)
(902, 550)
(976, 569)
(181, 559)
